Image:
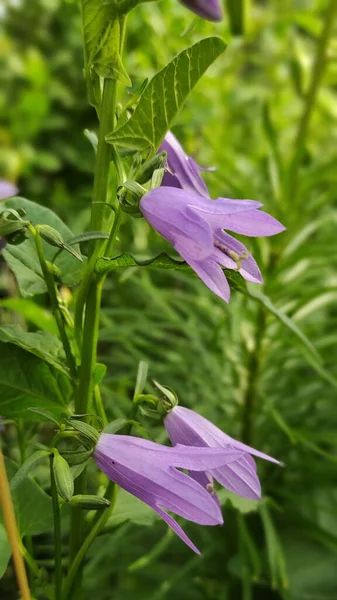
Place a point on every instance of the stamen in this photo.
(210, 488)
(233, 255)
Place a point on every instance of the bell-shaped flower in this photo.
(207, 9)
(149, 471)
(187, 427)
(183, 171)
(7, 189)
(194, 226)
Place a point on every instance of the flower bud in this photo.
(87, 431)
(88, 502)
(169, 399)
(50, 235)
(63, 477)
(147, 169)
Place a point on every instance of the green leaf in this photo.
(162, 261)
(142, 372)
(42, 344)
(33, 507)
(101, 29)
(165, 95)
(130, 508)
(5, 550)
(32, 312)
(23, 259)
(27, 381)
(307, 347)
(27, 467)
(276, 557)
(243, 505)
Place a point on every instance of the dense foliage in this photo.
(263, 368)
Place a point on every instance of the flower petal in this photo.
(173, 220)
(239, 478)
(184, 171)
(7, 189)
(249, 270)
(210, 273)
(176, 528)
(207, 9)
(253, 223)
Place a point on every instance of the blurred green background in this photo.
(239, 365)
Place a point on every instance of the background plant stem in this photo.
(12, 531)
(57, 533)
(310, 101)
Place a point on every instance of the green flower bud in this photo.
(89, 432)
(63, 477)
(148, 168)
(169, 399)
(90, 502)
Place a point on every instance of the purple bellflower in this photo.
(185, 426)
(194, 226)
(6, 191)
(149, 471)
(183, 171)
(207, 9)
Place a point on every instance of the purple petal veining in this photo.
(185, 426)
(194, 225)
(149, 471)
(183, 171)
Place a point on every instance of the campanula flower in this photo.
(7, 189)
(185, 426)
(194, 226)
(207, 9)
(183, 171)
(149, 471)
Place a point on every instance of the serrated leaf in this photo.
(44, 345)
(165, 95)
(27, 381)
(162, 261)
(101, 29)
(23, 259)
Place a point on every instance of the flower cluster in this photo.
(149, 470)
(182, 212)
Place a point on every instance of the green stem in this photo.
(50, 283)
(90, 294)
(251, 396)
(97, 526)
(57, 533)
(316, 78)
(101, 180)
